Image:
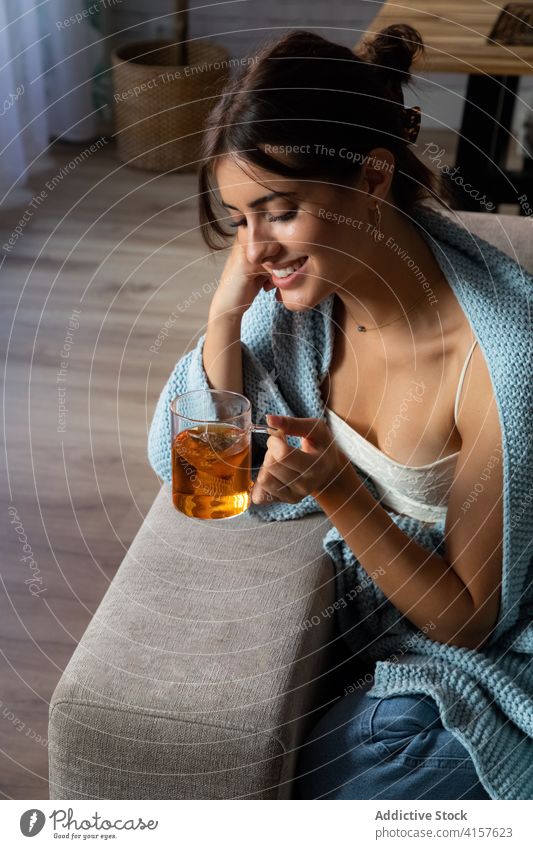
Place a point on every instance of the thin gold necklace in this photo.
(363, 329)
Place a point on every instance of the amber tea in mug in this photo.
(211, 453)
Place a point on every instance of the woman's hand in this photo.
(289, 474)
(240, 283)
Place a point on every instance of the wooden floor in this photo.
(120, 246)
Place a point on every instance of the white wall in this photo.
(240, 24)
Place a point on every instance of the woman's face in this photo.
(325, 227)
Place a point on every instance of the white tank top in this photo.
(418, 491)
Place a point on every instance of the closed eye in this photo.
(271, 218)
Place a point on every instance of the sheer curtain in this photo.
(53, 78)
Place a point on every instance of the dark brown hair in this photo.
(304, 89)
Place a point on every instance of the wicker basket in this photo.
(160, 106)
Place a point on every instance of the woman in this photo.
(367, 320)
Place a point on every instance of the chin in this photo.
(299, 302)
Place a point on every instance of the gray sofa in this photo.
(213, 652)
(201, 668)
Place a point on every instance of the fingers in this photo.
(279, 452)
(272, 489)
(273, 476)
(260, 496)
(314, 429)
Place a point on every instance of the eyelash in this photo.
(285, 217)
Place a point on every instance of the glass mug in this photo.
(211, 453)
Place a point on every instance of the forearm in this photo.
(421, 585)
(222, 352)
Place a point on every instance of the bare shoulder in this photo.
(474, 523)
(477, 412)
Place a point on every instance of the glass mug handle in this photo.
(255, 428)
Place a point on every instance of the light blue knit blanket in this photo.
(484, 697)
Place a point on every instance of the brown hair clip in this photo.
(412, 117)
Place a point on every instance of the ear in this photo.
(377, 172)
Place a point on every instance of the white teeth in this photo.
(284, 272)
(289, 269)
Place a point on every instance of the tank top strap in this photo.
(461, 379)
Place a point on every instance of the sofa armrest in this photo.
(200, 672)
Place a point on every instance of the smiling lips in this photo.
(284, 276)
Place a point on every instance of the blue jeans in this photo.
(387, 748)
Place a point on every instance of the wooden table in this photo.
(455, 35)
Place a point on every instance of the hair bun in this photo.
(393, 49)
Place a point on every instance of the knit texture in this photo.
(484, 697)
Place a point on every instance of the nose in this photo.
(260, 246)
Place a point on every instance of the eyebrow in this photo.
(264, 199)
